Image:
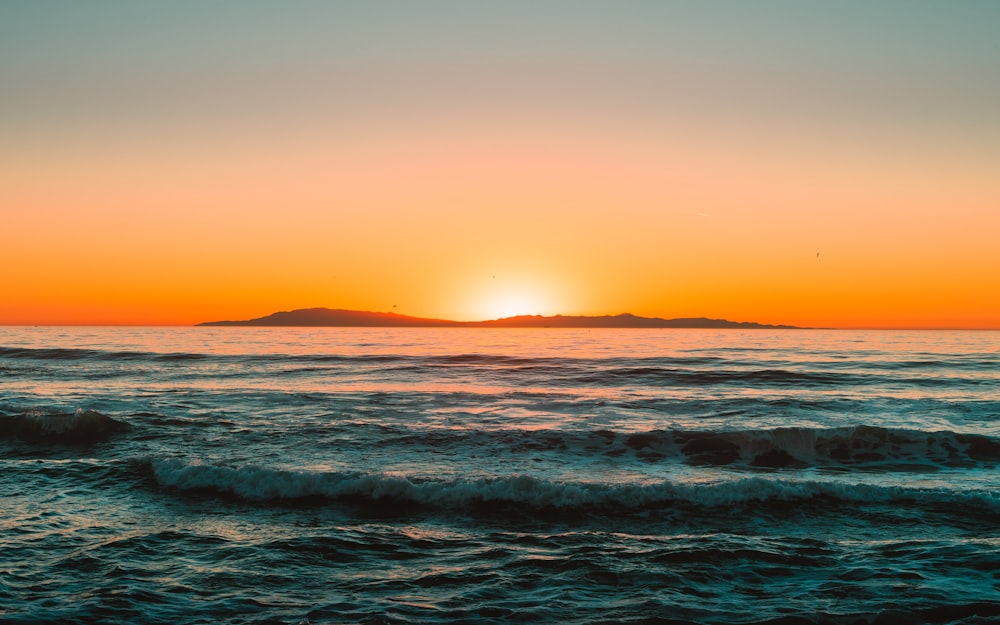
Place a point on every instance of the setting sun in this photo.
(515, 302)
(670, 160)
(521, 292)
(447, 311)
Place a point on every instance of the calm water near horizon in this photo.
(371, 475)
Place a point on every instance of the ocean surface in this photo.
(331, 475)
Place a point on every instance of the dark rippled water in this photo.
(236, 475)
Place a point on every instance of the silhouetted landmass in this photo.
(619, 321)
(337, 318)
(325, 317)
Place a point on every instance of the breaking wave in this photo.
(861, 446)
(801, 446)
(262, 484)
(80, 428)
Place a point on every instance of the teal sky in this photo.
(933, 67)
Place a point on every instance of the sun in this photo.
(514, 302)
(511, 291)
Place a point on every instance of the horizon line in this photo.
(459, 327)
(483, 324)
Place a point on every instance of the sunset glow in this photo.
(172, 164)
(515, 303)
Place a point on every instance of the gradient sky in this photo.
(782, 161)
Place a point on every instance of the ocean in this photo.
(371, 475)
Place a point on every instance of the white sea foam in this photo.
(377, 475)
(267, 484)
(82, 426)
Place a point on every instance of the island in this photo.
(326, 317)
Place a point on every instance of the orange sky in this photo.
(502, 161)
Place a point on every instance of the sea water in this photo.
(331, 475)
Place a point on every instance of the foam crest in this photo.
(522, 491)
(870, 447)
(857, 445)
(862, 445)
(80, 427)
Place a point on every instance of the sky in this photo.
(806, 162)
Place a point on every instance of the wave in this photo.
(768, 377)
(958, 613)
(79, 428)
(662, 371)
(456, 360)
(862, 446)
(75, 354)
(802, 446)
(263, 484)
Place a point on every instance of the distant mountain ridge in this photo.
(326, 317)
